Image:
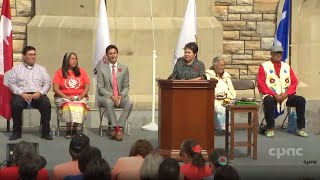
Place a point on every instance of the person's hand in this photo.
(26, 97)
(80, 97)
(278, 98)
(69, 98)
(284, 96)
(115, 100)
(36, 95)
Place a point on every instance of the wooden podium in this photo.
(186, 110)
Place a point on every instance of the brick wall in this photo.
(248, 33)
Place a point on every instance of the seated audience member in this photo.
(189, 67)
(277, 83)
(22, 153)
(194, 166)
(169, 169)
(77, 144)
(226, 172)
(86, 156)
(98, 170)
(128, 168)
(71, 85)
(150, 166)
(224, 89)
(217, 158)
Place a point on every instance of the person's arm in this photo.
(262, 86)
(100, 83)
(202, 72)
(294, 83)
(126, 84)
(86, 84)
(13, 82)
(46, 83)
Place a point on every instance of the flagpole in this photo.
(290, 32)
(153, 126)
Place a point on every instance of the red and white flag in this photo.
(6, 58)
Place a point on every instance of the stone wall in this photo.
(248, 32)
(21, 13)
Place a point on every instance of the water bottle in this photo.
(29, 105)
(129, 124)
(292, 123)
(53, 130)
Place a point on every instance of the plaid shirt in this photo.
(23, 79)
(184, 71)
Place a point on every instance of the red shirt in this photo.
(12, 173)
(71, 86)
(191, 172)
(263, 88)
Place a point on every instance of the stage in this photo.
(285, 155)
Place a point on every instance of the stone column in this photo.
(60, 26)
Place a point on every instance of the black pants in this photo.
(269, 104)
(42, 104)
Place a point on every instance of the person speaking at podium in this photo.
(189, 67)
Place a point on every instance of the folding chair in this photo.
(244, 84)
(102, 112)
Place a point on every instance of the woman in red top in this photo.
(71, 85)
(194, 167)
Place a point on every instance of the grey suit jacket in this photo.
(104, 80)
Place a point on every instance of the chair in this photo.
(244, 84)
(102, 111)
(83, 125)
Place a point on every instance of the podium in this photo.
(186, 111)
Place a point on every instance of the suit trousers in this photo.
(269, 105)
(18, 104)
(125, 103)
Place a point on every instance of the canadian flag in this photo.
(6, 59)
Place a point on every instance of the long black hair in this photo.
(193, 150)
(65, 65)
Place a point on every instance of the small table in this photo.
(250, 109)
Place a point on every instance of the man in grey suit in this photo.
(113, 89)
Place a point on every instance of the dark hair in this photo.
(29, 167)
(28, 48)
(77, 144)
(169, 169)
(87, 155)
(111, 46)
(65, 65)
(141, 147)
(196, 157)
(215, 155)
(98, 169)
(23, 149)
(193, 46)
(226, 172)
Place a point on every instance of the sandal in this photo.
(269, 133)
(68, 135)
(302, 133)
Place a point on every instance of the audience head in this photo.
(98, 169)
(218, 65)
(141, 147)
(29, 55)
(150, 166)
(112, 53)
(226, 172)
(29, 167)
(217, 158)
(23, 149)
(190, 151)
(169, 169)
(190, 51)
(87, 155)
(77, 144)
(70, 62)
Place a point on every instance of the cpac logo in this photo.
(279, 152)
(72, 83)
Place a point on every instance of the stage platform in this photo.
(285, 155)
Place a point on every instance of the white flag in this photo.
(188, 31)
(102, 35)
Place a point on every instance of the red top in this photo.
(191, 172)
(72, 86)
(12, 173)
(263, 88)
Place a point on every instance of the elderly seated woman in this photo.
(224, 90)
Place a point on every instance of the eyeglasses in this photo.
(31, 54)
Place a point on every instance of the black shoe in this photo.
(47, 137)
(15, 136)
